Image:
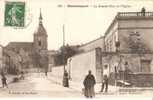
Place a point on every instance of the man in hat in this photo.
(89, 83)
(105, 79)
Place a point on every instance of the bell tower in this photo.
(40, 36)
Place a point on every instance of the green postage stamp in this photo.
(14, 14)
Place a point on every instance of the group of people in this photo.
(4, 79)
(89, 83)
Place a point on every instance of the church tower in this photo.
(40, 36)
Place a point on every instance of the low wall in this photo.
(141, 80)
(58, 71)
(136, 80)
(133, 60)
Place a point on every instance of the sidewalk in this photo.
(78, 86)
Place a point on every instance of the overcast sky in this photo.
(81, 24)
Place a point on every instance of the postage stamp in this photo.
(14, 14)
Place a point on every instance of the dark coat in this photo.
(89, 81)
(4, 80)
(66, 79)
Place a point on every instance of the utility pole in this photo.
(65, 73)
(64, 46)
(65, 80)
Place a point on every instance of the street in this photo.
(38, 85)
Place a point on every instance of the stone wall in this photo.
(80, 64)
(141, 80)
(58, 71)
(137, 76)
(116, 59)
(135, 79)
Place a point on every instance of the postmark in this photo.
(14, 14)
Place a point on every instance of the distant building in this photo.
(51, 59)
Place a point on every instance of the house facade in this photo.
(126, 46)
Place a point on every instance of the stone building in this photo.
(1, 57)
(126, 46)
(130, 24)
(22, 55)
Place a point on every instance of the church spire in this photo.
(40, 17)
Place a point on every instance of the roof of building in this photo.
(129, 16)
(24, 45)
(92, 41)
(52, 52)
(41, 30)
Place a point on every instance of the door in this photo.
(145, 65)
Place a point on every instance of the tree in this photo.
(65, 52)
(25, 59)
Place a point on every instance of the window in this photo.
(110, 45)
(39, 43)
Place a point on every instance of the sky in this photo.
(82, 24)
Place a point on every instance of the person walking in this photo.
(66, 79)
(4, 83)
(89, 83)
(105, 79)
(21, 75)
(45, 72)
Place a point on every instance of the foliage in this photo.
(65, 52)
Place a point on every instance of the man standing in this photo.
(66, 79)
(45, 72)
(22, 75)
(105, 79)
(89, 83)
(4, 83)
